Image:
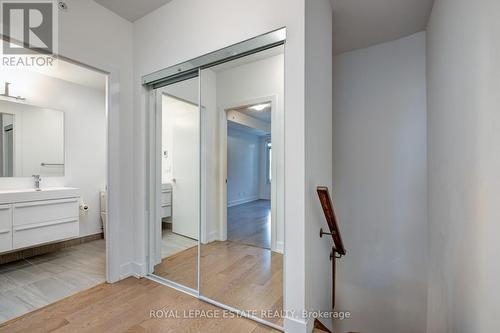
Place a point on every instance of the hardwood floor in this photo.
(241, 272)
(243, 276)
(250, 223)
(126, 306)
(181, 267)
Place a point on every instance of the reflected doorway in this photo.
(249, 175)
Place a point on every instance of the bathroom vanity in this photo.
(30, 218)
(166, 200)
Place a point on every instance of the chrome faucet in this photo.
(37, 182)
(6, 93)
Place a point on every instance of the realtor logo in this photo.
(29, 27)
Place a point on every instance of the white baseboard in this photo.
(212, 236)
(295, 325)
(264, 197)
(135, 269)
(280, 247)
(242, 201)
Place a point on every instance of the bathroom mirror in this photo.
(31, 140)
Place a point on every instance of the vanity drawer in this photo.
(166, 198)
(45, 211)
(40, 233)
(5, 228)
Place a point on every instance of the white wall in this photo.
(463, 77)
(379, 177)
(168, 36)
(84, 140)
(243, 161)
(318, 150)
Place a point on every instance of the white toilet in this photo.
(104, 210)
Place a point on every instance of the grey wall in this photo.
(463, 50)
(379, 185)
(243, 172)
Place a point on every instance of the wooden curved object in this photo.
(338, 250)
(331, 220)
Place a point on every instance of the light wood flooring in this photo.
(250, 223)
(29, 284)
(243, 276)
(126, 307)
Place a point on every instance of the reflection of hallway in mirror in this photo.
(250, 223)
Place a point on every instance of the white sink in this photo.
(21, 195)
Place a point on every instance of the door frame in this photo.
(112, 103)
(277, 122)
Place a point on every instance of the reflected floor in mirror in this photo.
(243, 276)
(175, 249)
(173, 243)
(250, 223)
(239, 275)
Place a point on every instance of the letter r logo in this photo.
(31, 24)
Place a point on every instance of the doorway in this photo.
(248, 145)
(53, 241)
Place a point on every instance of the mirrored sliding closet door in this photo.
(241, 263)
(177, 121)
(218, 177)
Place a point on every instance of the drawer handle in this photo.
(42, 225)
(6, 231)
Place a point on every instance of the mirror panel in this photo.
(179, 191)
(31, 140)
(243, 230)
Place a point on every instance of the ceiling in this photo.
(362, 23)
(357, 23)
(132, 10)
(263, 115)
